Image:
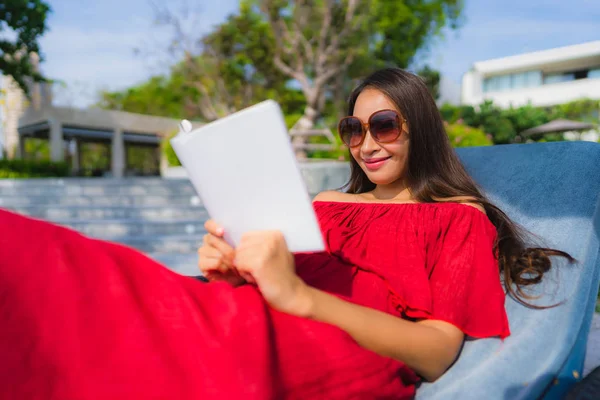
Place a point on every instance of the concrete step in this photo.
(100, 201)
(184, 264)
(118, 228)
(161, 213)
(174, 244)
(95, 186)
(88, 182)
(97, 190)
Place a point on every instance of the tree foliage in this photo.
(302, 52)
(431, 78)
(160, 96)
(22, 23)
(505, 125)
(461, 135)
(398, 30)
(305, 54)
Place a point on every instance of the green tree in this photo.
(325, 44)
(492, 120)
(26, 19)
(306, 54)
(526, 117)
(396, 34)
(580, 110)
(160, 95)
(461, 135)
(401, 29)
(431, 78)
(226, 70)
(230, 68)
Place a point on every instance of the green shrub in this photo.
(291, 119)
(464, 136)
(10, 169)
(168, 151)
(505, 124)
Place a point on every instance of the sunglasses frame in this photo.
(366, 126)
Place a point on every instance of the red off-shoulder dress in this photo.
(87, 319)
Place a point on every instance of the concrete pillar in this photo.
(118, 154)
(57, 144)
(75, 159)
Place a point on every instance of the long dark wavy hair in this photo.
(434, 173)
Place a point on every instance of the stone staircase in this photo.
(162, 218)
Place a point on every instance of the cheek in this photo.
(398, 150)
(355, 152)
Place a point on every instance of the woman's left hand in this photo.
(265, 256)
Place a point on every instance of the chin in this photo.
(380, 177)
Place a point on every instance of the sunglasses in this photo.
(385, 127)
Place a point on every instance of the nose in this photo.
(369, 145)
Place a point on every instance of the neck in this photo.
(394, 191)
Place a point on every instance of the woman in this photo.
(411, 269)
(408, 194)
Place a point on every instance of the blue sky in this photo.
(90, 45)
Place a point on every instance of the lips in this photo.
(375, 163)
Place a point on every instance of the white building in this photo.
(542, 78)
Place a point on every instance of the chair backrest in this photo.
(553, 190)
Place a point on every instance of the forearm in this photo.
(424, 348)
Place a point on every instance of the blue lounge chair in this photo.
(553, 190)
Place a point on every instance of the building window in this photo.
(559, 77)
(521, 80)
(498, 83)
(518, 80)
(526, 79)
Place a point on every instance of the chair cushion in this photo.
(553, 190)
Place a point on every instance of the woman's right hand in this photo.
(215, 256)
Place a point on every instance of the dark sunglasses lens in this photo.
(385, 126)
(350, 130)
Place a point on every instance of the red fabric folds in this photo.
(433, 261)
(87, 319)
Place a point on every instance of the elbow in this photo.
(443, 348)
(438, 366)
(434, 373)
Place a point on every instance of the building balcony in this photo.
(543, 95)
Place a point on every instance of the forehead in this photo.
(370, 101)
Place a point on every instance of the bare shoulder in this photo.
(467, 201)
(331, 195)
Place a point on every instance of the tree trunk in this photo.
(339, 95)
(305, 123)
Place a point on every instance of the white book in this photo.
(244, 169)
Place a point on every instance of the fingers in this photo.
(209, 252)
(244, 267)
(229, 277)
(219, 244)
(211, 259)
(210, 265)
(213, 228)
